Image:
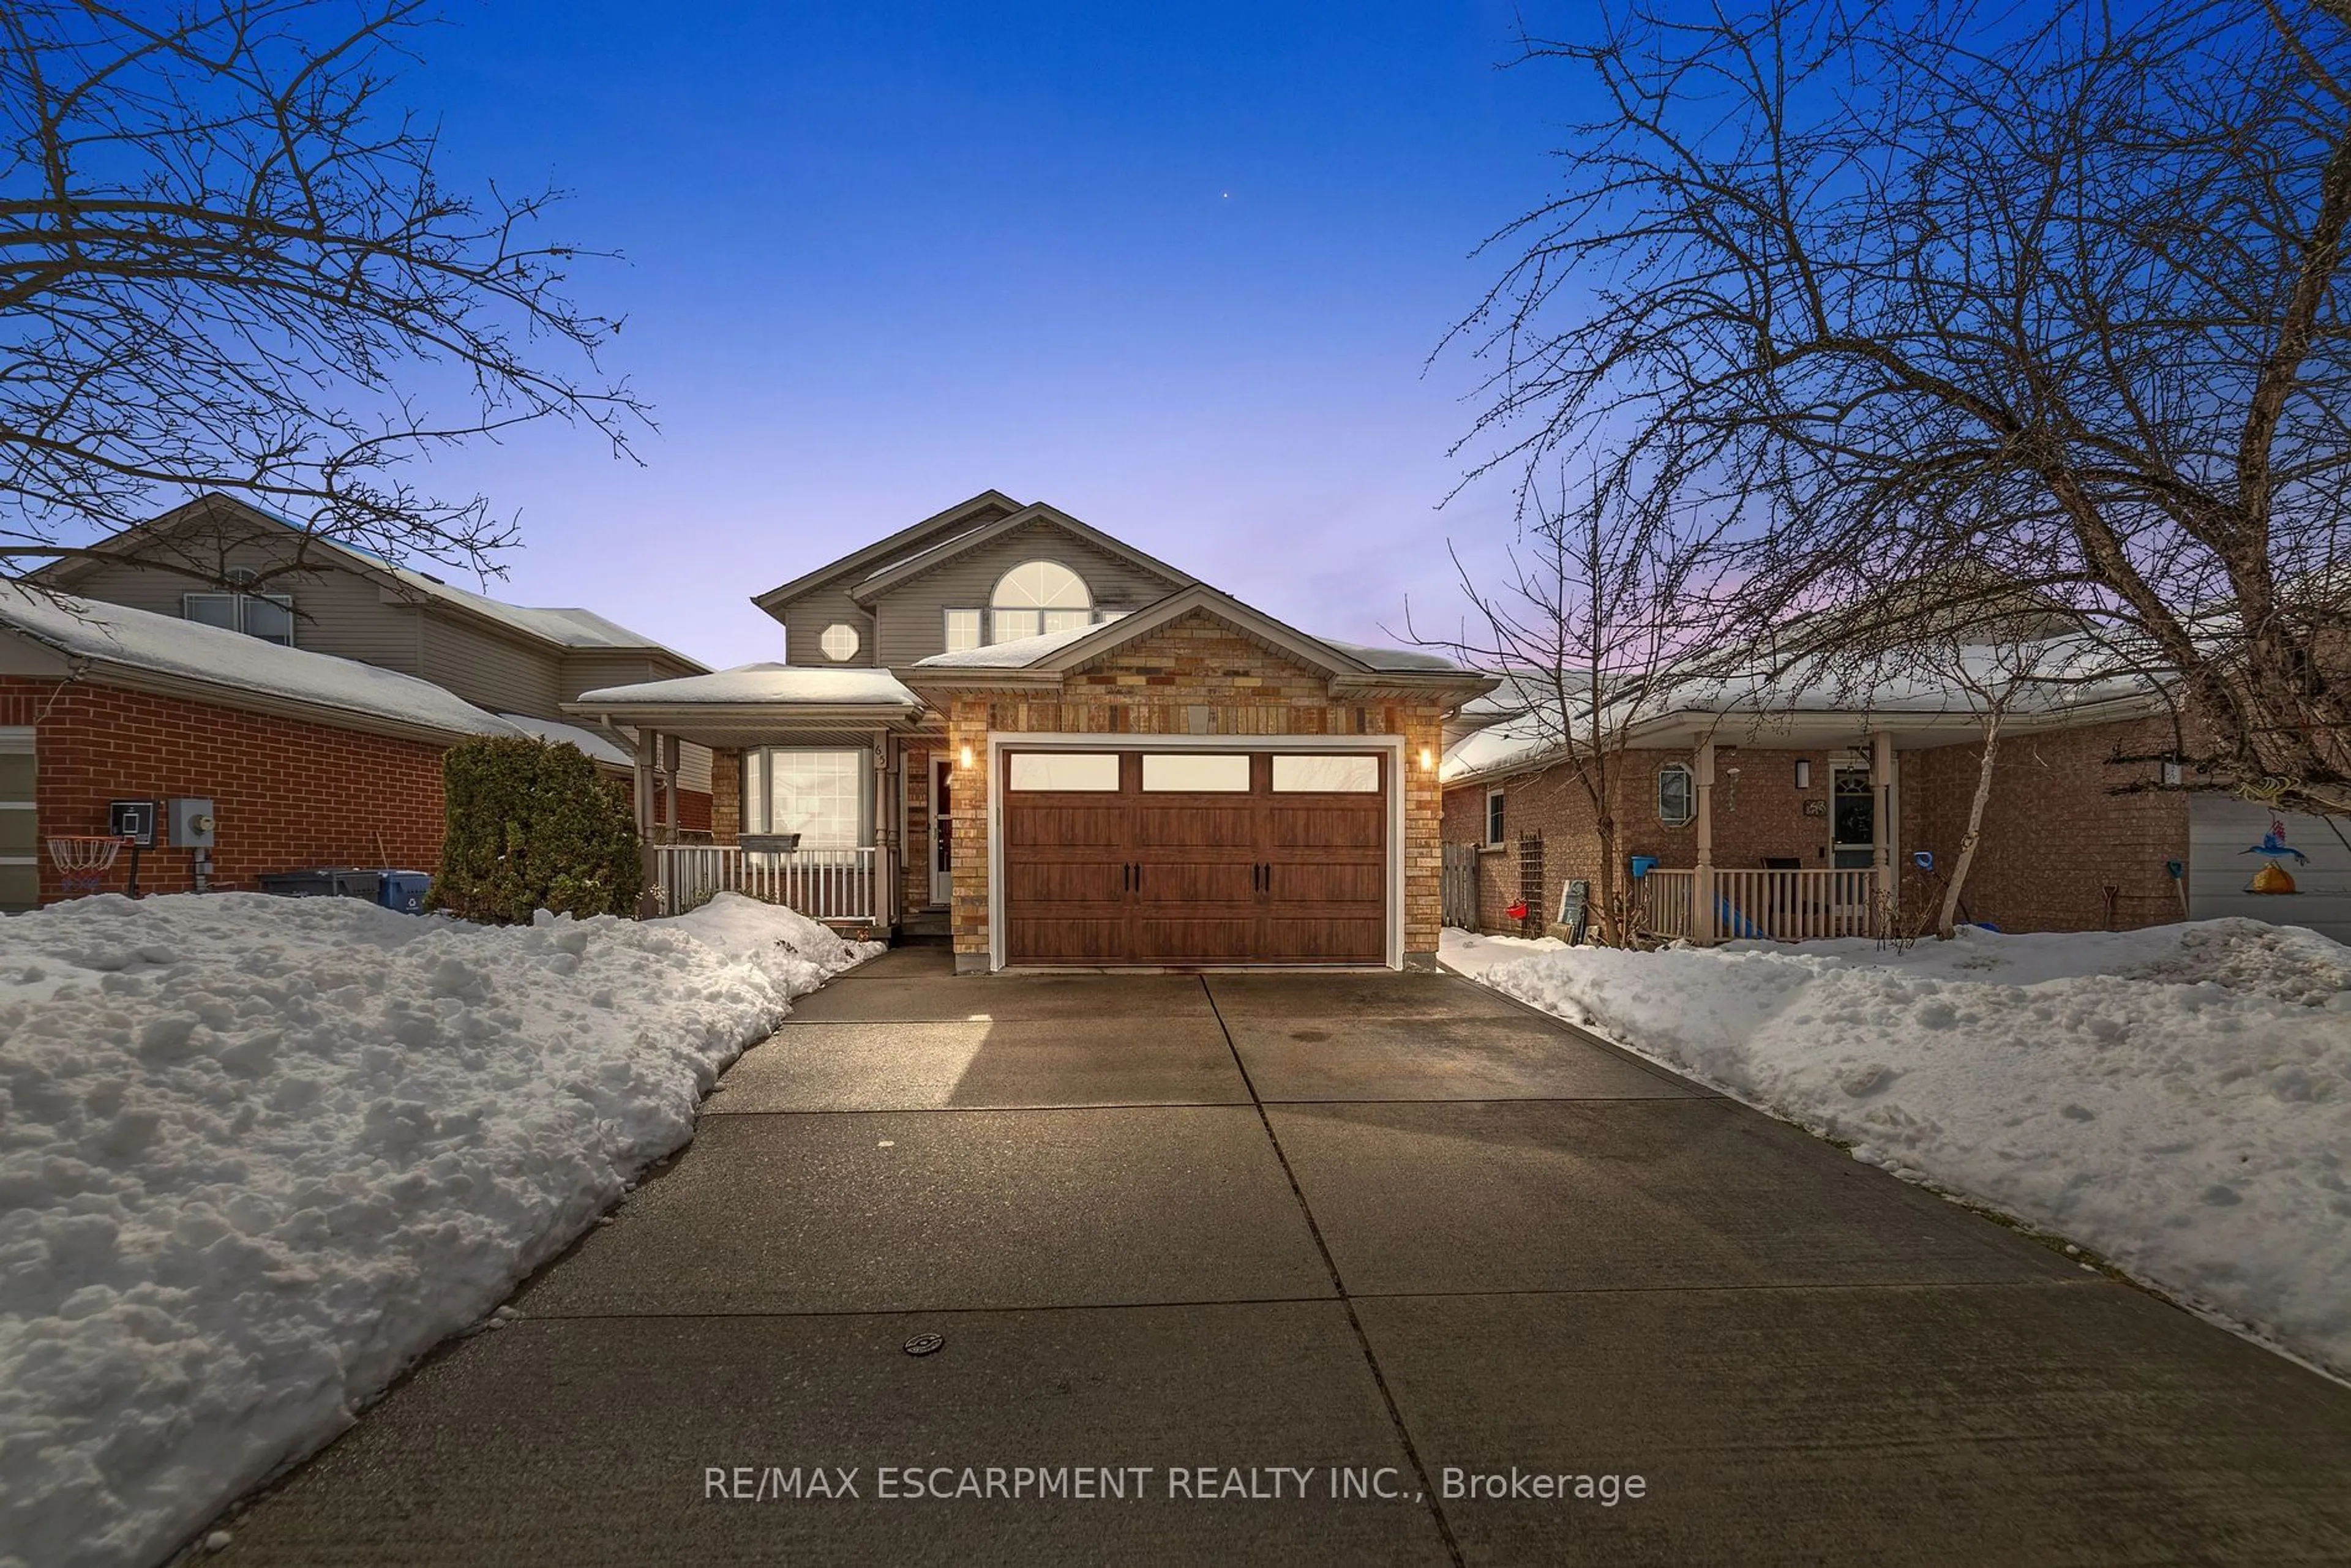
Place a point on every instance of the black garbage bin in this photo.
(325, 881)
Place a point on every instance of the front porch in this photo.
(822, 792)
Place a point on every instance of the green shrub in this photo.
(532, 826)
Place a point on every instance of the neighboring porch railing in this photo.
(1770, 906)
(823, 885)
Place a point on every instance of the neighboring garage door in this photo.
(1189, 857)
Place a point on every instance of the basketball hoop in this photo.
(83, 860)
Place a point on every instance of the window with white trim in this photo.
(1676, 795)
(822, 796)
(963, 630)
(1494, 818)
(267, 616)
(1037, 597)
(840, 642)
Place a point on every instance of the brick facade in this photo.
(2056, 837)
(1193, 676)
(287, 794)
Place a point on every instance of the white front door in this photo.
(941, 831)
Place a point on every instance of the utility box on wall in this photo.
(191, 822)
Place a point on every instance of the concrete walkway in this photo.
(1241, 1227)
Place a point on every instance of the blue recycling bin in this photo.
(1643, 865)
(405, 891)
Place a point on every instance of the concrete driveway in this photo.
(1199, 1235)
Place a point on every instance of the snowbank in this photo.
(257, 1154)
(2177, 1100)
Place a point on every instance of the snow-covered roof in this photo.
(600, 749)
(807, 685)
(564, 627)
(1395, 659)
(2041, 685)
(236, 663)
(1017, 655)
(570, 628)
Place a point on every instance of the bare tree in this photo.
(227, 265)
(2060, 291)
(1598, 617)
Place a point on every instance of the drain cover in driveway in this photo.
(924, 1343)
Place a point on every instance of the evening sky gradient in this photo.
(1177, 269)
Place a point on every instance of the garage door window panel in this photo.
(1065, 772)
(1315, 775)
(1194, 773)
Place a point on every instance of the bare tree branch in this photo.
(227, 264)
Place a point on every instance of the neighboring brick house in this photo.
(221, 561)
(307, 760)
(1808, 819)
(1004, 724)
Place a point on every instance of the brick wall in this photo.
(2056, 837)
(1193, 676)
(287, 794)
(725, 795)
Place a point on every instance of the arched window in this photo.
(1676, 795)
(1036, 597)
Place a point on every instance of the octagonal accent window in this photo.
(838, 641)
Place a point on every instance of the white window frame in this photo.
(1689, 794)
(856, 642)
(1495, 796)
(948, 642)
(758, 778)
(1036, 610)
(237, 602)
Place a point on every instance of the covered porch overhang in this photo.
(1706, 902)
(743, 711)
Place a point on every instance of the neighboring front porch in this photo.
(1857, 895)
(1795, 839)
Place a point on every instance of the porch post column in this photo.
(1881, 783)
(670, 761)
(643, 757)
(652, 901)
(1702, 914)
(884, 901)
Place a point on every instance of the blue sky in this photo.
(1176, 269)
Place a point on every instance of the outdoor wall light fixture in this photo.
(1427, 759)
(1804, 772)
(966, 755)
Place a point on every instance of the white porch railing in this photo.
(1770, 906)
(823, 885)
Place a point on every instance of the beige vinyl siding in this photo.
(914, 614)
(490, 671)
(336, 611)
(593, 670)
(806, 618)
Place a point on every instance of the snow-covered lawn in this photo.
(257, 1154)
(2177, 1099)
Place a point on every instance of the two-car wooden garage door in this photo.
(1189, 857)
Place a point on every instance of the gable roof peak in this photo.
(965, 515)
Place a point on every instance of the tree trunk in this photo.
(1947, 925)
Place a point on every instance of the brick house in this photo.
(308, 759)
(220, 561)
(1791, 816)
(1004, 724)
